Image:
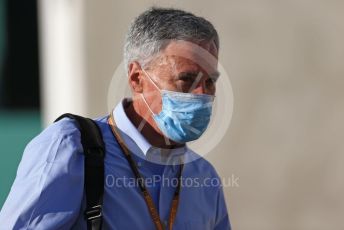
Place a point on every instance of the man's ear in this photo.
(135, 77)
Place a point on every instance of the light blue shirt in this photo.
(48, 191)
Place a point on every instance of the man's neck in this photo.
(149, 128)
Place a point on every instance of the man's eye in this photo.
(187, 79)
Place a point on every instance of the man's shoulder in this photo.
(62, 128)
(57, 141)
(67, 127)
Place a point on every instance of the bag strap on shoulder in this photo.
(94, 151)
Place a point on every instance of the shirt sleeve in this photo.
(48, 188)
(222, 218)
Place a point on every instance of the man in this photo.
(171, 61)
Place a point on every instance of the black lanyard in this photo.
(147, 197)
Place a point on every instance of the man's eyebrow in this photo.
(214, 76)
(188, 73)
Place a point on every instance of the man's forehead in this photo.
(183, 65)
(187, 55)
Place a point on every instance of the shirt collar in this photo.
(151, 152)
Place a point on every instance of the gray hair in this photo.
(152, 30)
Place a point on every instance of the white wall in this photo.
(62, 57)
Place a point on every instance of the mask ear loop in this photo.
(144, 100)
(167, 141)
(151, 80)
(143, 97)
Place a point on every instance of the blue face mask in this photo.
(184, 116)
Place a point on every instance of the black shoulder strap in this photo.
(94, 149)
